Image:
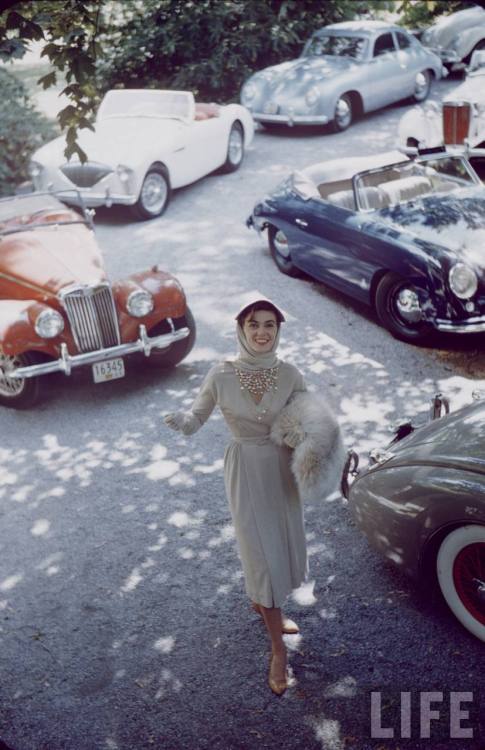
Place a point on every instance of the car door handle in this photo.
(301, 222)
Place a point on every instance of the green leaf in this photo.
(75, 148)
(48, 80)
(14, 20)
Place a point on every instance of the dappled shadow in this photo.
(123, 618)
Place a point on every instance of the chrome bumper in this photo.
(448, 56)
(291, 119)
(472, 325)
(66, 362)
(86, 197)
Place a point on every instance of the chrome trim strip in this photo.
(66, 362)
(291, 119)
(472, 325)
(88, 197)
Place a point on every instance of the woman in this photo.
(265, 505)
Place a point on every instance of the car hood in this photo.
(126, 141)
(442, 32)
(455, 221)
(455, 440)
(303, 72)
(46, 260)
(471, 90)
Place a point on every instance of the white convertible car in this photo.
(146, 142)
(458, 122)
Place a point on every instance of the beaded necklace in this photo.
(258, 382)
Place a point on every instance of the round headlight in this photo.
(49, 324)
(139, 303)
(311, 96)
(248, 92)
(463, 281)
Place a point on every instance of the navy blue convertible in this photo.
(407, 237)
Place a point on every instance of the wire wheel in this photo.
(18, 393)
(235, 149)
(154, 194)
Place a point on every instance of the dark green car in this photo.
(421, 503)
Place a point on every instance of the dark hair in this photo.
(260, 305)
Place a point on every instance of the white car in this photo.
(146, 142)
(455, 37)
(458, 122)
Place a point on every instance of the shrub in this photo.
(209, 46)
(22, 131)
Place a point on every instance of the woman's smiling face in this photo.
(260, 328)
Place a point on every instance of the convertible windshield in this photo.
(336, 45)
(146, 103)
(22, 212)
(399, 183)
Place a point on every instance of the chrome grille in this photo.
(85, 175)
(92, 316)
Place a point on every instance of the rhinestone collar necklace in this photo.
(258, 382)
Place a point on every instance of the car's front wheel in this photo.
(343, 113)
(422, 86)
(460, 566)
(170, 357)
(19, 393)
(280, 251)
(235, 149)
(399, 310)
(154, 194)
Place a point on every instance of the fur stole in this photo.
(308, 425)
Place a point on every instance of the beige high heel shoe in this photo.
(278, 686)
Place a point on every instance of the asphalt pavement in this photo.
(123, 619)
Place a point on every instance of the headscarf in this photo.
(248, 359)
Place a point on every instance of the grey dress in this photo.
(264, 501)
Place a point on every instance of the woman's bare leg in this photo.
(288, 626)
(277, 672)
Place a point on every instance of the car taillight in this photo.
(456, 122)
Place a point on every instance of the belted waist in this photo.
(254, 440)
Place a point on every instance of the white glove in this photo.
(294, 437)
(176, 421)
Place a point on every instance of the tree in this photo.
(22, 130)
(69, 31)
(209, 46)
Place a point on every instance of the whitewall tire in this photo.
(461, 575)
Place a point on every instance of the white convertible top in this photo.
(147, 103)
(345, 169)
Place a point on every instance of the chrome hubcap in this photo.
(154, 193)
(407, 305)
(342, 112)
(281, 245)
(421, 84)
(235, 149)
(10, 387)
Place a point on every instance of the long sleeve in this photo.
(202, 407)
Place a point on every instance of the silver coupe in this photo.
(345, 69)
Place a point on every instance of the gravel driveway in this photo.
(123, 620)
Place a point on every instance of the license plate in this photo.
(109, 370)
